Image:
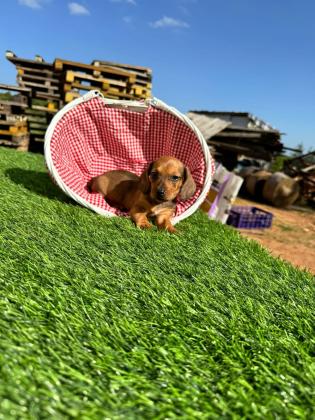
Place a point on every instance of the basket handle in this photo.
(137, 106)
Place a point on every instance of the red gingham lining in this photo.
(93, 138)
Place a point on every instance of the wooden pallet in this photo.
(14, 88)
(43, 84)
(20, 142)
(70, 96)
(143, 73)
(9, 117)
(11, 107)
(79, 77)
(105, 72)
(49, 108)
(41, 87)
(141, 92)
(38, 123)
(46, 87)
(29, 71)
(12, 131)
(39, 80)
(38, 63)
(111, 94)
(38, 115)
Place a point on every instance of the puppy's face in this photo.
(167, 178)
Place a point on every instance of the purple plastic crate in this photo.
(246, 217)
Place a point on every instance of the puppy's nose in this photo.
(160, 192)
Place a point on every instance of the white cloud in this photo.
(77, 9)
(168, 22)
(133, 2)
(33, 4)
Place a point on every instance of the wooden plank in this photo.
(143, 75)
(71, 76)
(141, 78)
(70, 96)
(259, 153)
(34, 64)
(78, 81)
(104, 88)
(12, 108)
(34, 125)
(68, 87)
(239, 134)
(15, 104)
(141, 92)
(37, 85)
(141, 69)
(38, 132)
(104, 71)
(63, 65)
(13, 131)
(47, 81)
(10, 117)
(46, 109)
(33, 72)
(18, 146)
(13, 88)
(118, 95)
(14, 123)
(49, 96)
(20, 143)
(37, 119)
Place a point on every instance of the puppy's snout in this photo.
(160, 192)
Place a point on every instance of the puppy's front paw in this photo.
(171, 229)
(168, 227)
(144, 224)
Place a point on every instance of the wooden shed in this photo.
(237, 133)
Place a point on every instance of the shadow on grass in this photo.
(37, 182)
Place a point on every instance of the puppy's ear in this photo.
(144, 179)
(189, 187)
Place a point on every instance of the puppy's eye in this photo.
(154, 175)
(174, 178)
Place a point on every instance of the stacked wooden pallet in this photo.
(142, 85)
(114, 81)
(52, 85)
(39, 78)
(14, 128)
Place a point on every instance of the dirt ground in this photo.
(291, 237)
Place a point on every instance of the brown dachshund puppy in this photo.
(152, 195)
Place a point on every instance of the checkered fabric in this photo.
(93, 137)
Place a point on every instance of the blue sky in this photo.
(240, 55)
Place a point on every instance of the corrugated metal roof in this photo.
(207, 125)
(245, 119)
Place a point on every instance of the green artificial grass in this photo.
(100, 320)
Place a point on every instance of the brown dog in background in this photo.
(152, 195)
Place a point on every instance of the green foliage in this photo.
(6, 96)
(278, 163)
(102, 320)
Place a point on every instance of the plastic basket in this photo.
(247, 217)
